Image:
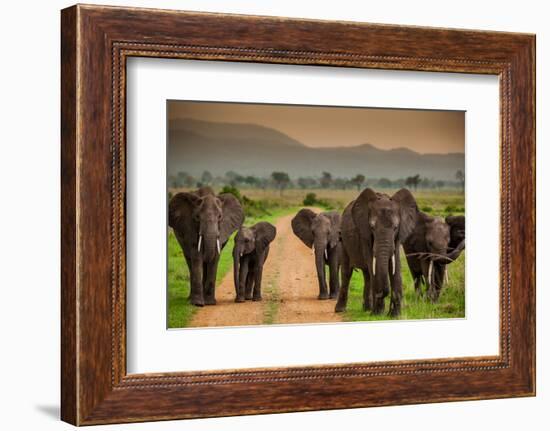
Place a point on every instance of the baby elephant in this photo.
(322, 233)
(249, 255)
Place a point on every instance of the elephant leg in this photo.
(320, 266)
(243, 274)
(347, 271)
(396, 287)
(432, 289)
(249, 283)
(210, 283)
(437, 281)
(258, 283)
(367, 291)
(258, 275)
(196, 270)
(334, 281)
(204, 272)
(418, 284)
(415, 268)
(189, 266)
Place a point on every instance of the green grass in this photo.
(180, 311)
(451, 302)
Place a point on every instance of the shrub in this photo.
(254, 208)
(234, 191)
(427, 209)
(453, 209)
(310, 199)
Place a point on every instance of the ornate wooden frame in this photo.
(95, 43)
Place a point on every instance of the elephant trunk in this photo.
(383, 253)
(320, 248)
(210, 246)
(437, 270)
(451, 255)
(455, 253)
(436, 279)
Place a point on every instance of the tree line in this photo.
(281, 181)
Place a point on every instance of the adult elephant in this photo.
(373, 228)
(202, 224)
(433, 244)
(249, 255)
(322, 232)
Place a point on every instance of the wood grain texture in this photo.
(96, 41)
(69, 366)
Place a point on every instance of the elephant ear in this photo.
(232, 216)
(264, 234)
(180, 211)
(408, 212)
(301, 226)
(360, 213)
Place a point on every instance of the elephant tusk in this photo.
(218, 245)
(446, 275)
(326, 254)
(313, 249)
(430, 268)
(200, 242)
(374, 265)
(393, 264)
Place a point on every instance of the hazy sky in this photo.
(421, 131)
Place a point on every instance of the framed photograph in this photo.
(266, 215)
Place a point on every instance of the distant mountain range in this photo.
(251, 149)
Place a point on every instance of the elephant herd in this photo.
(367, 236)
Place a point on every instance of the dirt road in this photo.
(289, 290)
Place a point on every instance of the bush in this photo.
(310, 199)
(234, 191)
(251, 207)
(427, 209)
(254, 208)
(453, 209)
(325, 204)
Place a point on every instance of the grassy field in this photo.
(269, 205)
(439, 203)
